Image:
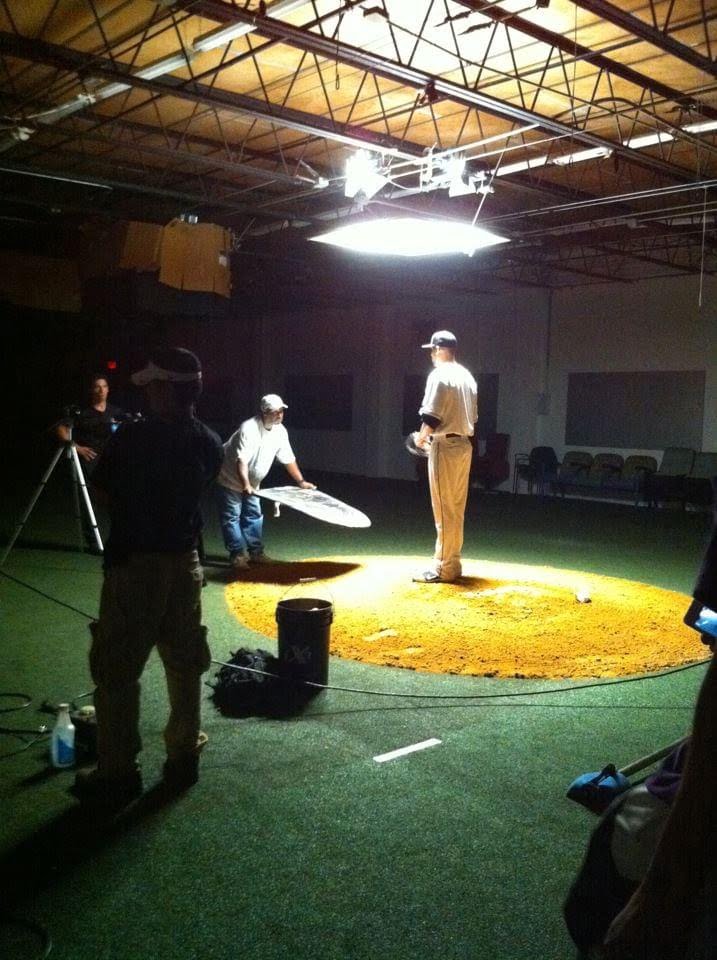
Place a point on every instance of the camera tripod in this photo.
(67, 449)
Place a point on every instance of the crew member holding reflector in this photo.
(248, 456)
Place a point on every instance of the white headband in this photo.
(152, 372)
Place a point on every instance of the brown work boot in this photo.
(92, 787)
(181, 772)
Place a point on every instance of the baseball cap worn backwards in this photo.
(271, 403)
(441, 338)
(175, 365)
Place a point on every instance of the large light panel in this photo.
(410, 237)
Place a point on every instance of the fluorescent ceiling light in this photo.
(595, 153)
(56, 176)
(224, 35)
(410, 237)
(523, 165)
(111, 90)
(703, 127)
(158, 69)
(648, 140)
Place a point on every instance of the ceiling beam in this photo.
(638, 28)
(585, 54)
(86, 65)
(333, 49)
(75, 176)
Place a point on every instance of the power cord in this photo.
(42, 933)
(467, 696)
(384, 693)
(37, 733)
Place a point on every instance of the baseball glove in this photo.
(410, 445)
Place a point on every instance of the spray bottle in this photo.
(62, 744)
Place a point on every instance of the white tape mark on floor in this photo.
(394, 754)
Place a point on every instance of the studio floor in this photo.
(295, 842)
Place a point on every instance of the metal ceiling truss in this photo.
(397, 108)
(660, 35)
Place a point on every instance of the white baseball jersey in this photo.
(257, 446)
(452, 398)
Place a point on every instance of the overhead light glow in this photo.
(362, 175)
(703, 127)
(224, 35)
(648, 140)
(410, 237)
(595, 153)
(523, 165)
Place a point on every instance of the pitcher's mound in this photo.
(499, 620)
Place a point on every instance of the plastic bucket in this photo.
(304, 632)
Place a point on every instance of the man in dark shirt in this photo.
(153, 473)
(94, 425)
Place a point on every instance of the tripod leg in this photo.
(76, 499)
(80, 478)
(33, 501)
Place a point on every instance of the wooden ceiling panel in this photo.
(255, 133)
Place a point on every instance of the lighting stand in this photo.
(69, 450)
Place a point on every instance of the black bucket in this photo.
(304, 631)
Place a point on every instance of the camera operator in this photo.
(92, 426)
(153, 473)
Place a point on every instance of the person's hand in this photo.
(86, 453)
(305, 485)
(247, 491)
(422, 443)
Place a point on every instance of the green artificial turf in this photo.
(295, 843)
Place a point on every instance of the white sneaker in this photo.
(427, 576)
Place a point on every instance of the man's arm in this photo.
(64, 435)
(293, 470)
(243, 475)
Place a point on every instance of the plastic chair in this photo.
(539, 468)
(493, 467)
(700, 483)
(668, 481)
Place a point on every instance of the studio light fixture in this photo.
(648, 140)
(594, 153)
(363, 175)
(410, 237)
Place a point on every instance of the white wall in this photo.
(651, 325)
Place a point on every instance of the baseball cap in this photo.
(272, 402)
(441, 338)
(173, 364)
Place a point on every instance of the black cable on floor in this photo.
(41, 932)
(468, 696)
(47, 596)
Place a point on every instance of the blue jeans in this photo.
(241, 521)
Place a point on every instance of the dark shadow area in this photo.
(67, 843)
(289, 572)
